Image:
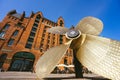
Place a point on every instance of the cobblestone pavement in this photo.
(32, 76)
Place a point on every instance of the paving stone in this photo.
(32, 76)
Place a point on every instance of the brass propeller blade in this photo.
(101, 56)
(50, 59)
(58, 30)
(90, 25)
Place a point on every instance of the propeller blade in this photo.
(101, 56)
(50, 59)
(90, 25)
(58, 30)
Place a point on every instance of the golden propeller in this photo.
(100, 55)
(50, 59)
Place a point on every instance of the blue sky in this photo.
(72, 11)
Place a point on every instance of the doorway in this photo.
(22, 61)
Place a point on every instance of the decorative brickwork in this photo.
(20, 34)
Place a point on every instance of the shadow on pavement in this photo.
(73, 78)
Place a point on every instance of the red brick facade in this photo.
(24, 39)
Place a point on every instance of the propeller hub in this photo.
(73, 34)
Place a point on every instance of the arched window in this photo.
(22, 61)
(2, 59)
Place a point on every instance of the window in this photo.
(11, 41)
(30, 39)
(22, 61)
(65, 61)
(42, 39)
(43, 35)
(49, 36)
(34, 29)
(44, 30)
(61, 39)
(28, 46)
(53, 37)
(32, 34)
(46, 27)
(61, 23)
(6, 26)
(36, 21)
(60, 42)
(35, 24)
(40, 50)
(2, 59)
(41, 47)
(38, 17)
(15, 33)
(53, 42)
(2, 34)
(19, 24)
(42, 20)
(48, 40)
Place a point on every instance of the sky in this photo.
(72, 12)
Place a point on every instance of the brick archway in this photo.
(22, 61)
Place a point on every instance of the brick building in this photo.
(24, 39)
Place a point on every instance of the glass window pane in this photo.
(10, 42)
(36, 20)
(38, 17)
(2, 59)
(61, 39)
(32, 34)
(30, 39)
(2, 34)
(6, 26)
(34, 29)
(35, 24)
(15, 33)
(28, 46)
